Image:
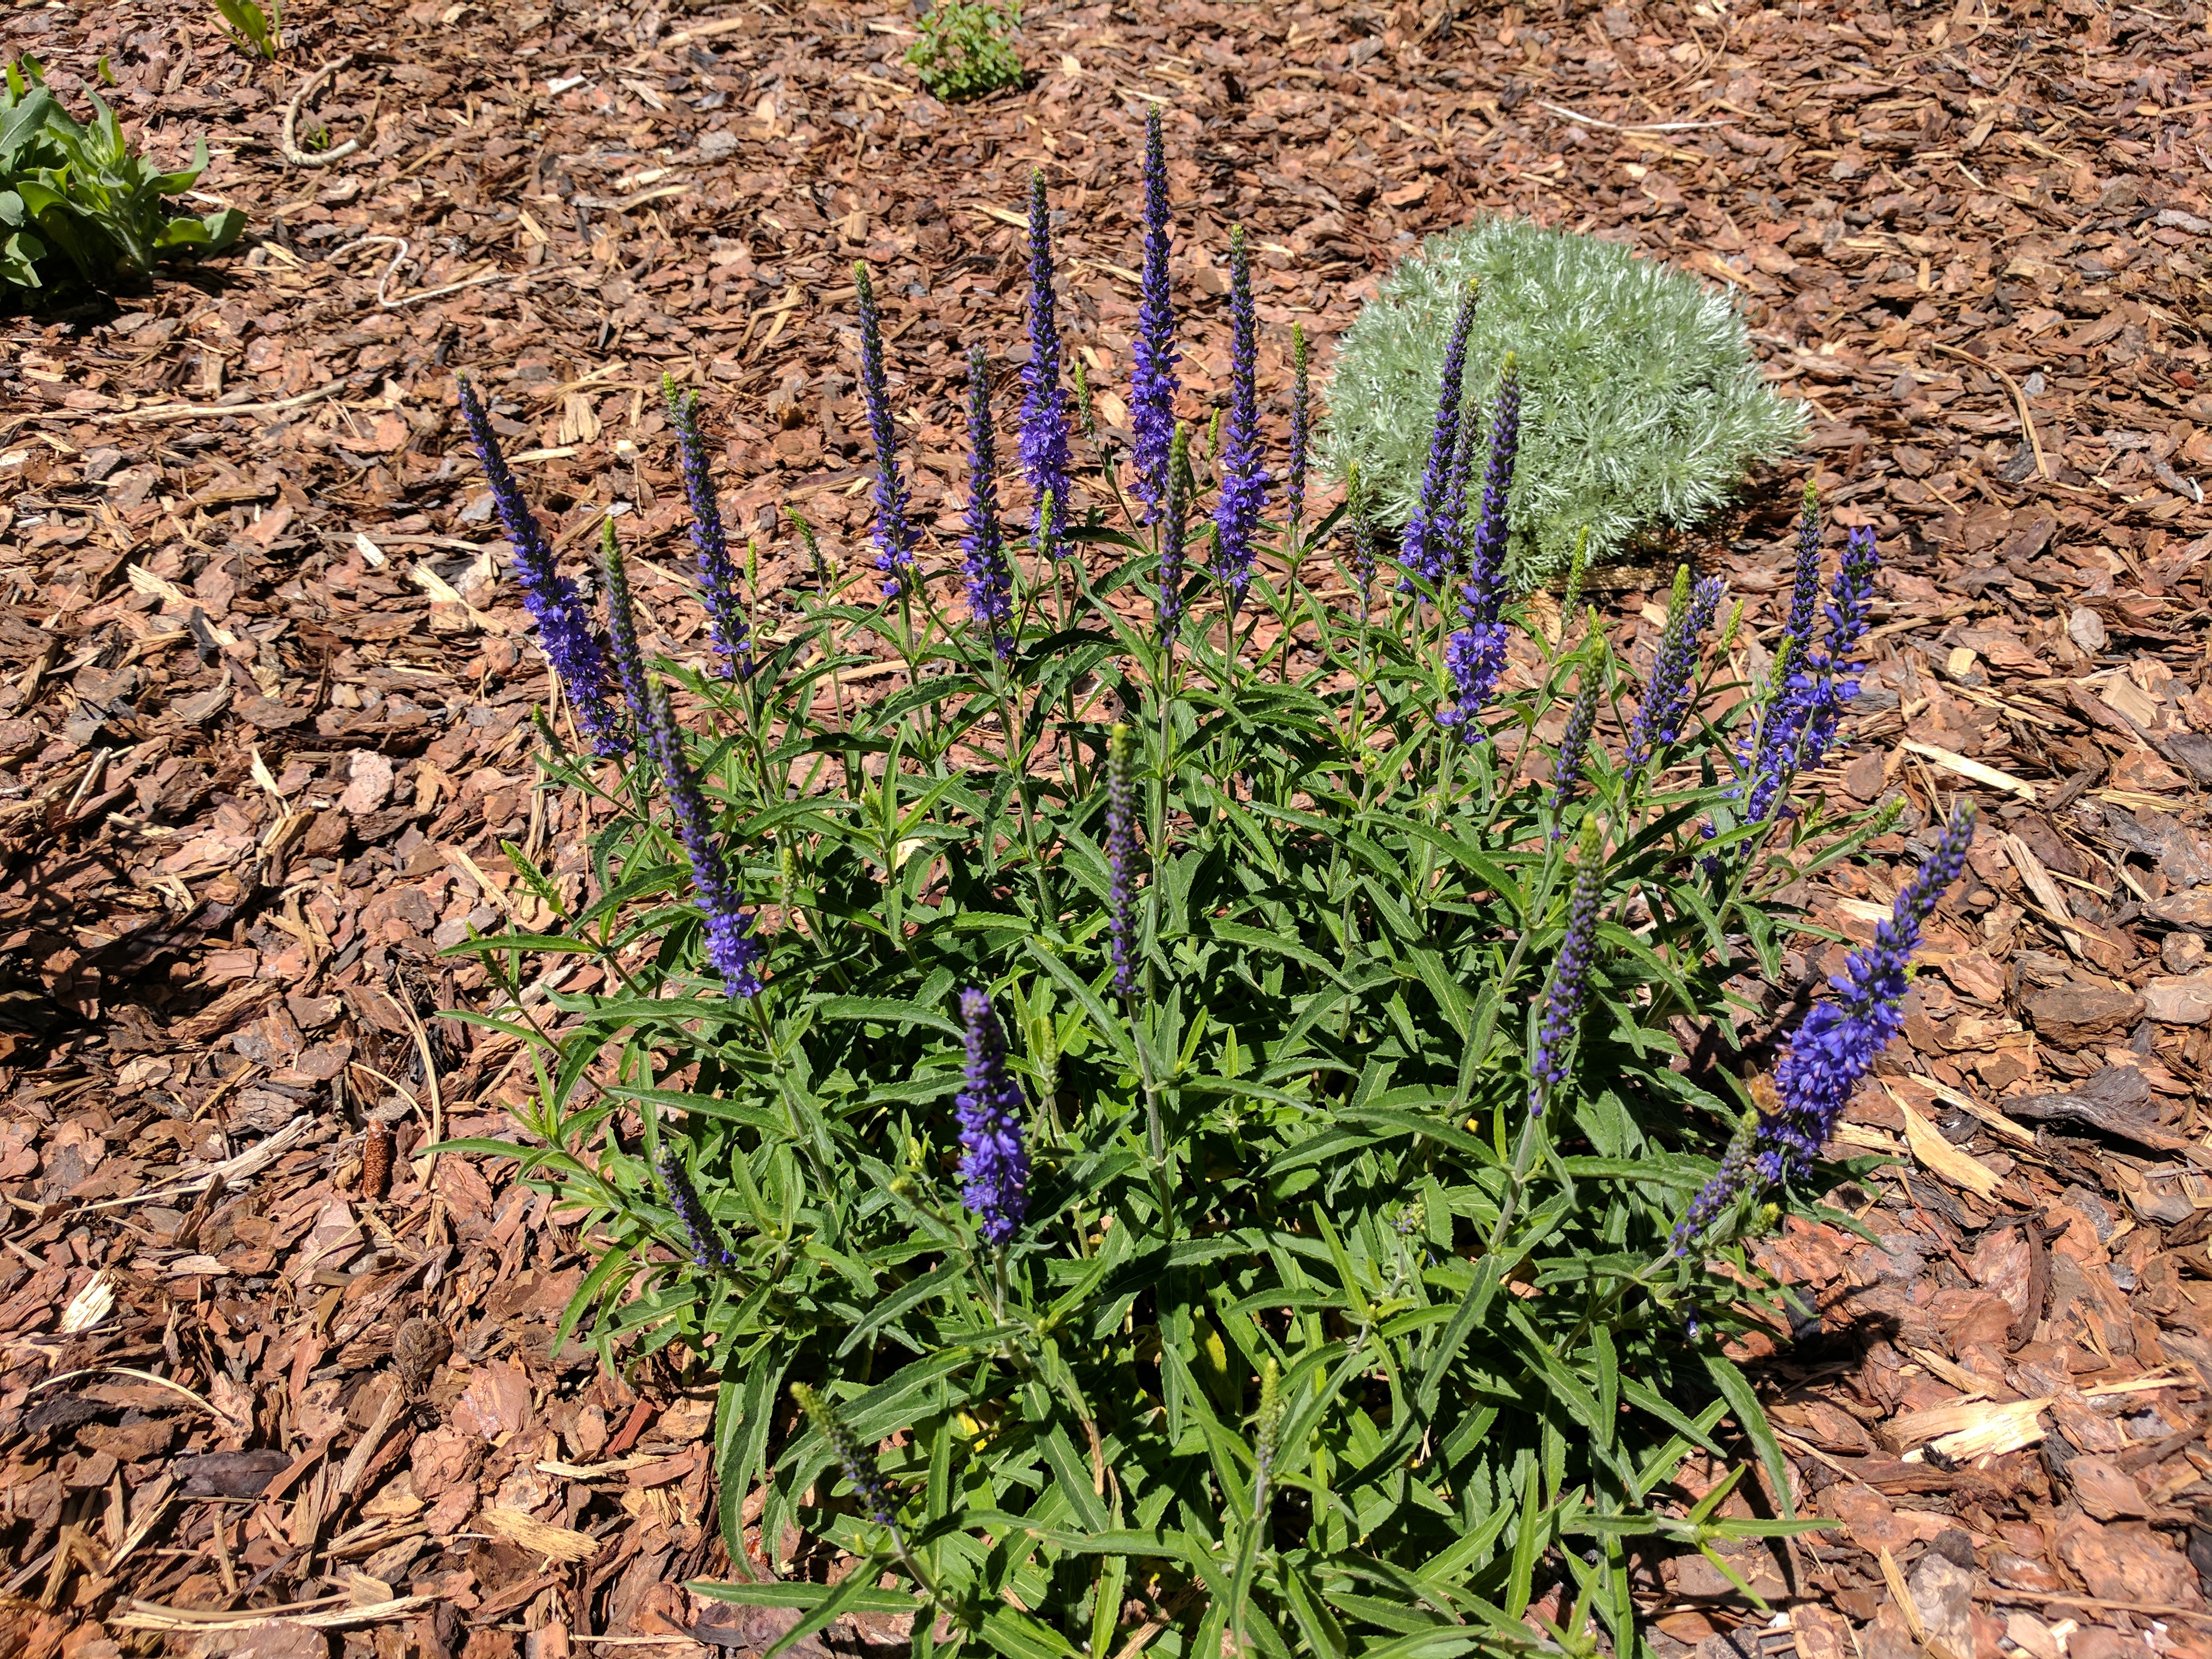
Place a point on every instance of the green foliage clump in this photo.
(1642, 404)
(966, 50)
(81, 192)
(1343, 1309)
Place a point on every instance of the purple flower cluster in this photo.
(1570, 969)
(1430, 543)
(701, 1236)
(1244, 479)
(894, 536)
(1837, 1040)
(1044, 410)
(1814, 683)
(1122, 857)
(1152, 353)
(565, 632)
(1475, 653)
(990, 579)
(855, 1461)
(727, 629)
(1294, 483)
(1574, 744)
(730, 945)
(994, 1162)
(1658, 720)
(1175, 530)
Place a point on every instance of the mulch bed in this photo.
(265, 723)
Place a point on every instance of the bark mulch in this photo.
(266, 731)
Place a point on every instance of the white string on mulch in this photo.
(391, 270)
(288, 138)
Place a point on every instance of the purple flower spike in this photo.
(1800, 719)
(1243, 480)
(1475, 653)
(854, 1460)
(1045, 410)
(1486, 547)
(1421, 551)
(1563, 1005)
(1574, 744)
(995, 1163)
(894, 536)
(1174, 527)
(1805, 589)
(990, 580)
(565, 632)
(621, 628)
(1366, 538)
(730, 945)
(1153, 383)
(1667, 694)
(701, 1236)
(1122, 857)
(1738, 1170)
(1294, 484)
(1839, 1040)
(727, 628)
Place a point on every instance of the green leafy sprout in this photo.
(1643, 405)
(79, 191)
(252, 28)
(966, 50)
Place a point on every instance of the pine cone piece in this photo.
(418, 1348)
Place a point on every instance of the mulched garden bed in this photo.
(266, 730)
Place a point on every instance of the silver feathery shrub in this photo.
(1643, 404)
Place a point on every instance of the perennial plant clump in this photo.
(1168, 1119)
(1644, 404)
(966, 50)
(75, 198)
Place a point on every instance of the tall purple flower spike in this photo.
(701, 1238)
(994, 1162)
(1836, 1044)
(1122, 857)
(990, 579)
(1424, 550)
(1658, 720)
(1574, 745)
(730, 945)
(1152, 353)
(1294, 481)
(628, 657)
(1244, 479)
(1174, 527)
(1800, 719)
(727, 627)
(1044, 408)
(1837, 1040)
(1562, 1004)
(565, 631)
(894, 535)
(1475, 653)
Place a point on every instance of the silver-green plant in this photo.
(1643, 404)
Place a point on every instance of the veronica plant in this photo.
(1159, 1138)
